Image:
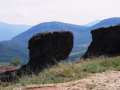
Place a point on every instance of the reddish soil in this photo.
(45, 88)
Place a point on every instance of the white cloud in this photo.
(21, 14)
(70, 11)
(22, 1)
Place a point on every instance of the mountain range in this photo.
(8, 31)
(92, 23)
(82, 36)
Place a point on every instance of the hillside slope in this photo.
(49, 26)
(9, 53)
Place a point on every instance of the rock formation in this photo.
(48, 48)
(105, 41)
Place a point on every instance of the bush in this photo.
(16, 62)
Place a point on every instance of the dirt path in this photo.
(109, 80)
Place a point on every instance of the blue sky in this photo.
(80, 12)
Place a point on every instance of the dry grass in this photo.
(71, 72)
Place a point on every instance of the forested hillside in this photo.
(9, 53)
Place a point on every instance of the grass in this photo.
(101, 64)
(90, 86)
(70, 72)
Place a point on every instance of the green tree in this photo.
(16, 62)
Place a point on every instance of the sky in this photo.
(80, 12)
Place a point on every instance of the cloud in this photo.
(69, 11)
(22, 1)
(21, 14)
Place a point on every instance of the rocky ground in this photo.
(8, 68)
(4, 69)
(109, 80)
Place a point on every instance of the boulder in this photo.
(47, 49)
(105, 41)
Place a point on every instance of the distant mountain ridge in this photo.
(92, 23)
(42, 27)
(50, 26)
(106, 23)
(103, 23)
(8, 31)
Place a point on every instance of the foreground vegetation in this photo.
(15, 62)
(69, 72)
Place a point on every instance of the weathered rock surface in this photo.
(7, 73)
(48, 48)
(105, 41)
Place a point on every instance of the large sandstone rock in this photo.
(105, 41)
(48, 48)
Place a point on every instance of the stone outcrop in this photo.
(105, 41)
(7, 73)
(48, 48)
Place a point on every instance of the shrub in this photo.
(16, 62)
